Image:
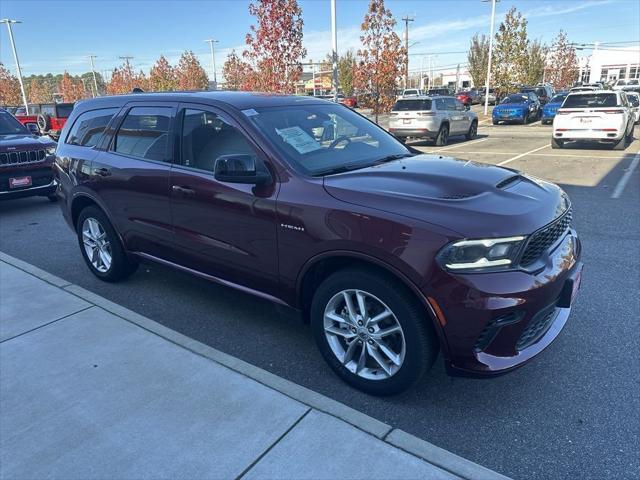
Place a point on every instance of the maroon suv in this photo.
(392, 255)
(26, 160)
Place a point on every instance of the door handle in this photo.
(183, 190)
(103, 172)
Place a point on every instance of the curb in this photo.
(398, 438)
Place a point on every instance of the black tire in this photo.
(495, 122)
(622, 143)
(556, 143)
(44, 122)
(473, 131)
(121, 265)
(443, 136)
(421, 345)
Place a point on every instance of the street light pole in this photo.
(15, 56)
(211, 41)
(486, 93)
(406, 21)
(93, 71)
(334, 50)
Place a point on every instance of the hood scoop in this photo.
(508, 181)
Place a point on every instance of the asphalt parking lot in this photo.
(571, 413)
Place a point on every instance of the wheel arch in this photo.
(322, 265)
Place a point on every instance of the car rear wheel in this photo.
(371, 331)
(44, 122)
(495, 122)
(443, 136)
(101, 248)
(556, 143)
(473, 131)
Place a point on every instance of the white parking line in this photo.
(555, 155)
(463, 144)
(509, 160)
(625, 178)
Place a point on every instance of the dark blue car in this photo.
(550, 109)
(517, 107)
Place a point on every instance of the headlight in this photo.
(481, 255)
(51, 150)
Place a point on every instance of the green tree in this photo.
(346, 67)
(478, 59)
(536, 62)
(510, 53)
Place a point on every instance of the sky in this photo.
(55, 36)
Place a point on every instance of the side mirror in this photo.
(33, 128)
(239, 168)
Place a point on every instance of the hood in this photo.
(511, 105)
(23, 141)
(473, 199)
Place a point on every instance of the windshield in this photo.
(515, 99)
(9, 125)
(324, 139)
(410, 105)
(591, 100)
(558, 98)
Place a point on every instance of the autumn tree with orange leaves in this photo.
(9, 88)
(162, 77)
(71, 89)
(381, 59)
(189, 73)
(274, 46)
(124, 80)
(39, 91)
(236, 73)
(562, 70)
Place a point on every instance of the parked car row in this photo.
(49, 117)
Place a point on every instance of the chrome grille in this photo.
(545, 238)
(27, 156)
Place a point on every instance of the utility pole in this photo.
(493, 19)
(211, 41)
(126, 59)
(93, 71)
(334, 50)
(406, 21)
(15, 56)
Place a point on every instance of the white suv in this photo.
(436, 118)
(600, 116)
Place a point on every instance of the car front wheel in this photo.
(100, 246)
(371, 331)
(473, 131)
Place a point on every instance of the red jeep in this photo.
(50, 117)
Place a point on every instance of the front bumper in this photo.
(42, 181)
(518, 116)
(495, 322)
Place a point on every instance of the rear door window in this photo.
(144, 133)
(412, 105)
(89, 126)
(450, 103)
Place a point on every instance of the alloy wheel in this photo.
(364, 334)
(96, 245)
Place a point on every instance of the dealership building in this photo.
(610, 64)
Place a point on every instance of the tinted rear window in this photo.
(591, 100)
(144, 133)
(64, 110)
(410, 105)
(558, 98)
(88, 127)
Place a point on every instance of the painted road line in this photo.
(625, 178)
(463, 144)
(509, 160)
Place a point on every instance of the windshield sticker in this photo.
(299, 139)
(250, 112)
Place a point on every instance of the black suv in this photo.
(543, 92)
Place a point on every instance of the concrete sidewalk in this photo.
(89, 389)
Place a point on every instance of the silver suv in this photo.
(433, 117)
